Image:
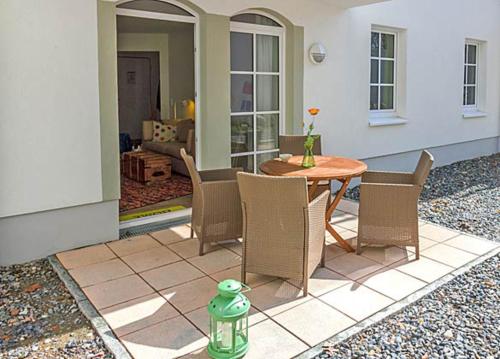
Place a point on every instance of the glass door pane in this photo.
(241, 134)
(241, 51)
(245, 162)
(268, 93)
(241, 93)
(267, 53)
(255, 98)
(267, 132)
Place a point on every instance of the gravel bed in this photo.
(40, 319)
(464, 196)
(461, 318)
(458, 320)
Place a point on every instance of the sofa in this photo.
(185, 138)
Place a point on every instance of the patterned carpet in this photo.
(136, 195)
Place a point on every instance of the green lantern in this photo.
(228, 321)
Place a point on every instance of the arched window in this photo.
(154, 6)
(256, 19)
(257, 83)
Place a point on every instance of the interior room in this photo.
(156, 91)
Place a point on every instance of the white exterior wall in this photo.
(435, 34)
(50, 152)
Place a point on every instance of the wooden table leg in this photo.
(312, 190)
(341, 241)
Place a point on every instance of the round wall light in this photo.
(317, 53)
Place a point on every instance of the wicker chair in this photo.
(388, 213)
(294, 145)
(283, 234)
(216, 213)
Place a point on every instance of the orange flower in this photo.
(313, 111)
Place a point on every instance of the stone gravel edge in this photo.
(101, 327)
(393, 308)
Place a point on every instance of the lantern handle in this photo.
(248, 289)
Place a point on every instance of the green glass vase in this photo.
(308, 160)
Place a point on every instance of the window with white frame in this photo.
(470, 93)
(383, 63)
(256, 89)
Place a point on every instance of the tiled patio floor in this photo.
(152, 290)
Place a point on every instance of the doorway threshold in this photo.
(154, 223)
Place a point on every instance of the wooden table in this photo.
(327, 168)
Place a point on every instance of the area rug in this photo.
(136, 195)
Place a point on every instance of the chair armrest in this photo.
(387, 177)
(223, 174)
(317, 210)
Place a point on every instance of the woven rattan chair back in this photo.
(423, 168)
(274, 224)
(294, 144)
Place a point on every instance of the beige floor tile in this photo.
(270, 341)
(334, 250)
(347, 221)
(436, 233)
(117, 291)
(314, 321)
(276, 297)
(151, 258)
(353, 266)
(392, 283)
(472, 244)
(348, 206)
(424, 269)
(138, 314)
(324, 280)
(216, 261)
(386, 255)
(448, 255)
(424, 244)
(253, 279)
(124, 247)
(192, 295)
(171, 275)
(100, 272)
(172, 338)
(190, 248)
(200, 318)
(172, 235)
(235, 246)
(357, 301)
(85, 256)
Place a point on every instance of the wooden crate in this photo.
(135, 163)
(154, 168)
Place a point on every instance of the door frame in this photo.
(195, 20)
(280, 32)
(181, 215)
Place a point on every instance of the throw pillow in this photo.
(163, 132)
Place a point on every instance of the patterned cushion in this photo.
(163, 132)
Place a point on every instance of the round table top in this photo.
(327, 168)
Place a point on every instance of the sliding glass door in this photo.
(256, 90)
